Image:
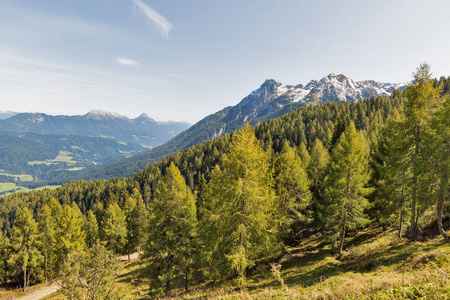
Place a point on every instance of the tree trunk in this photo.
(417, 221)
(341, 243)
(46, 269)
(413, 229)
(186, 281)
(166, 290)
(25, 280)
(400, 227)
(440, 212)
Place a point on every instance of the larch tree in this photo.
(114, 228)
(391, 164)
(345, 187)
(242, 207)
(171, 244)
(292, 190)
(421, 98)
(4, 254)
(316, 172)
(91, 229)
(25, 246)
(304, 155)
(47, 230)
(90, 274)
(437, 160)
(136, 218)
(70, 234)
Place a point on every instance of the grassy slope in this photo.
(376, 265)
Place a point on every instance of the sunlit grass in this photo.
(375, 265)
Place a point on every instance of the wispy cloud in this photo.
(172, 75)
(127, 62)
(162, 24)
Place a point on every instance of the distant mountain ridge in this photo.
(5, 114)
(271, 100)
(142, 130)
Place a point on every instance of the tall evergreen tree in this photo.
(47, 229)
(242, 200)
(91, 275)
(4, 254)
(70, 234)
(345, 189)
(437, 160)
(91, 229)
(393, 173)
(136, 216)
(25, 246)
(304, 155)
(421, 98)
(316, 171)
(171, 244)
(114, 228)
(292, 190)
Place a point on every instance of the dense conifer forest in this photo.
(222, 206)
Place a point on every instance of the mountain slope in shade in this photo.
(271, 100)
(141, 130)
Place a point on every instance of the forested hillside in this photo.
(228, 206)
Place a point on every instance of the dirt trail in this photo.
(135, 255)
(44, 292)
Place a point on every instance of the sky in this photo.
(183, 60)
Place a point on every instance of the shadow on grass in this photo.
(307, 267)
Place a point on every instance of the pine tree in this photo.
(114, 228)
(4, 254)
(292, 190)
(70, 234)
(304, 155)
(91, 229)
(25, 246)
(316, 171)
(90, 274)
(345, 190)
(47, 229)
(437, 160)
(171, 244)
(136, 216)
(421, 97)
(393, 174)
(242, 201)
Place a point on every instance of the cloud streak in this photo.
(162, 24)
(127, 62)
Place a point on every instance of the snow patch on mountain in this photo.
(97, 114)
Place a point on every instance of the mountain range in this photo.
(271, 100)
(142, 130)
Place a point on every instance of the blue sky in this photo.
(185, 59)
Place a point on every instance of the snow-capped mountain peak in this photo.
(145, 118)
(97, 114)
(273, 96)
